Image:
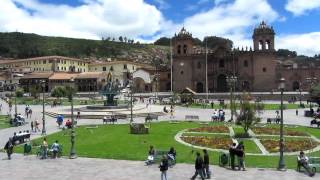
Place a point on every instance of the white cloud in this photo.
(91, 20)
(162, 4)
(234, 20)
(219, 1)
(305, 44)
(299, 7)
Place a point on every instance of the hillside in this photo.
(22, 45)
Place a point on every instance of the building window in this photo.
(132, 67)
(221, 63)
(124, 66)
(199, 65)
(264, 69)
(181, 72)
(44, 62)
(104, 68)
(185, 49)
(168, 76)
(111, 68)
(245, 63)
(179, 49)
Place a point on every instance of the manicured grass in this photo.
(266, 106)
(250, 146)
(115, 142)
(4, 122)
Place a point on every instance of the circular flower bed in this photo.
(210, 142)
(276, 131)
(272, 145)
(211, 129)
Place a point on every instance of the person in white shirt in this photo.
(303, 161)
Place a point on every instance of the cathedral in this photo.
(253, 69)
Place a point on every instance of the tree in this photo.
(315, 94)
(58, 92)
(120, 38)
(163, 41)
(70, 92)
(214, 41)
(19, 92)
(247, 117)
(35, 91)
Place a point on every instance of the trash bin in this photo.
(27, 149)
(223, 159)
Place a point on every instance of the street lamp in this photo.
(131, 100)
(73, 153)
(231, 80)
(15, 100)
(43, 84)
(311, 81)
(282, 165)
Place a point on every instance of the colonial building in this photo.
(255, 68)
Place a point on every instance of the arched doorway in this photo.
(139, 85)
(199, 87)
(295, 85)
(246, 86)
(222, 83)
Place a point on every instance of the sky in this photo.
(296, 22)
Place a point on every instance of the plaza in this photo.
(184, 168)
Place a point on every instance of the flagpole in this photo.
(207, 68)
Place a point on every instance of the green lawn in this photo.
(266, 106)
(115, 142)
(4, 122)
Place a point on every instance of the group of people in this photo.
(28, 111)
(218, 115)
(35, 126)
(171, 110)
(55, 149)
(202, 166)
(239, 151)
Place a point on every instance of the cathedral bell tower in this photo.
(263, 38)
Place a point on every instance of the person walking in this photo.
(164, 167)
(199, 167)
(36, 123)
(9, 148)
(31, 124)
(44, 148)
(206, 171)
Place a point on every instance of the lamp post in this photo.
(43, 84)
(311, 81)
(15, 100)
(282, 165)
(231, 80)
(73, 153)
(131, 97)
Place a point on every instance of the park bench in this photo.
(151, 117)
(192, 118)
(275, 120)
(40, 151)
(314, 164)
(109, 119)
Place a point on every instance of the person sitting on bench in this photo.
(303, 161)
(151, 155)
(172, 156)
(69, 124)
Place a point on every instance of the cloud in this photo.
(219, 1)
(305, 44)
(162, 4)
(93, 19)
(233, 20)
(300, 7)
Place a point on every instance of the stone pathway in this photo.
(30, 168)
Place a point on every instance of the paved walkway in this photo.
(29, 167)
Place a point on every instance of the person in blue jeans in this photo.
(164, 167)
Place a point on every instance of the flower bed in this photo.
(276, 131)
(272, 145)
(210, 142)
(211, 129)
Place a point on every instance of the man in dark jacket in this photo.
(206, 171)
(164, 167)
(198, 167)
(9, 148)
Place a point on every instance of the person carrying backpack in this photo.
(9, 148)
